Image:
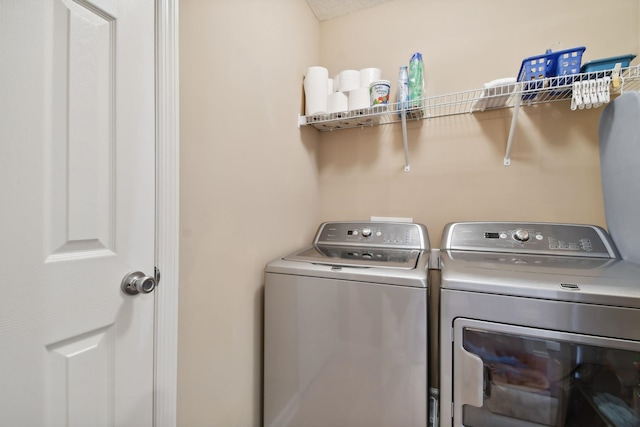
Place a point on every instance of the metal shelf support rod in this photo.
(514, 119)
(403, 113)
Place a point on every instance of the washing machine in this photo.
(345, 335)
(540, 326)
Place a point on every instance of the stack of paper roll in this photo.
(346, 91)
(359, 98)
(368, 76)
(348, 80)
(316, 88)
(337, 102)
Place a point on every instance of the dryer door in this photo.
(510, 376)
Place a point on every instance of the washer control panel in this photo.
(532, 238)
(376, 234)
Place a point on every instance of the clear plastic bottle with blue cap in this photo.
(403, 89)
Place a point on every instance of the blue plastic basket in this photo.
(606, 64)
(535, 69)
(568, 61)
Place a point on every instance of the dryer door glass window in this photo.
(526, 377)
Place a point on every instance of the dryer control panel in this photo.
(531, 238)
(373, 234)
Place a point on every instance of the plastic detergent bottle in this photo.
(403, 88)
(416, 79)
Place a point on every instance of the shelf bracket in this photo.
(514, 119)
(403, 115)
(302, 120)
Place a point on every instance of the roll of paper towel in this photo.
(316, 88)
(359, 98)
(348, 80)
(368, 76)
(337, 102)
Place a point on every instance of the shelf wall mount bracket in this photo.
(302, 120)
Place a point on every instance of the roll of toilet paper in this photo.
(330, 87)
(348, 80)
(368, 76)
(316, 85)
(359, 98)
(337, 102)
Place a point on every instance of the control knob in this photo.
(366, 232)
(521, 235)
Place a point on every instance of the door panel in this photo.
(81, 195)
(77, 175)
(76, 366)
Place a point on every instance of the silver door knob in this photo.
(136, 283)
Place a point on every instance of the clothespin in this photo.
(599, 92)
(576, 98)
(586, 96)
(593, 93)
(607, 89)
(615, 76)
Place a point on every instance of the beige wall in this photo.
(249, 191)
(254, 186)
(457, 170)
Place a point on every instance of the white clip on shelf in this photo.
(497, 97)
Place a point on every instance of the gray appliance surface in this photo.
(368, 244)
(529, 238)
(596, 281)
(619, 134)
(345, 338)
(567, 262)
(376, 252)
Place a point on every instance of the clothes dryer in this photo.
(540, 326)
(345, 339)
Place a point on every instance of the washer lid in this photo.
(354, 256)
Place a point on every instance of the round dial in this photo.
(366, 232)
(521, 235)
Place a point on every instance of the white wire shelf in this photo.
(477, 100)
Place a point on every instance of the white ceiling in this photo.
(327, 9)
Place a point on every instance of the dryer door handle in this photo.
(487, 378)
(470, 388)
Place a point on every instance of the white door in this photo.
(77, 173)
